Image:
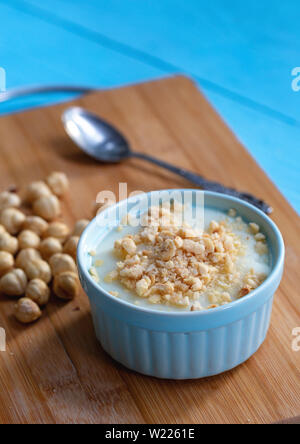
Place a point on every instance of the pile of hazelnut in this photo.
(37, 252)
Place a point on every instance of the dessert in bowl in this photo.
(181, 293)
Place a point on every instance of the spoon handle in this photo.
(207, 184)
(15, 93)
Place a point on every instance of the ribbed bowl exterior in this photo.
(183, 355)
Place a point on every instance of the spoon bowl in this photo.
(95, 137)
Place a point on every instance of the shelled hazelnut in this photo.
(60, 263)
(43, 247)
(8, 243)
(59, 230)
(66, 285)
(36, 224)
(70, 247)
(13, 283)
(12, 219)
(38, 269)
(25, 256)
(47, 207)
(27, 311)
(58, 183)
(38, 291)
(49, 247)
(36, 190)
(80, 226)
(9, 200)
(28, 239)
(6, 262)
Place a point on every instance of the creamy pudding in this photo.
(167, 265)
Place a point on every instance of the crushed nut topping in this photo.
(174, 265)
(94, 274)
(98, 263)
(251, 281)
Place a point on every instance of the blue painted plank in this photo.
(274, 144)
(272, 138)
(32, 51)
(247, 48)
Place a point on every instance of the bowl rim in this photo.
(278, 263)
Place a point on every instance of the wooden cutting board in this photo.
(55, 371)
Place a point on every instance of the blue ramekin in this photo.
(184, 345)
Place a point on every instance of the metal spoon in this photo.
(105, 143)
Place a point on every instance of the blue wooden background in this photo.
(240, 53)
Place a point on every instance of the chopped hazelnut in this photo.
(214, 226)
(261, 247)
(93, 272)
(260, 237)
(111, 276)
(129, 245)
(154, 299)
(168, 250)
(203, 268)
(142, 287)
(178, 241)
(228, 266)
(134, 272)
(193, 247)
(254, 227)
(98, 262)
(196, 306)
(197, 284)
(244, 291)
(232, 212)
(209, 245)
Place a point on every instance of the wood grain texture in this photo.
(55, 371)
